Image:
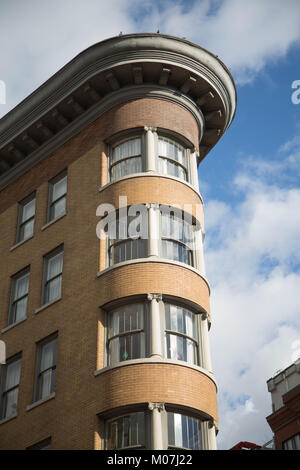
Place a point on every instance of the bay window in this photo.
(129, 336)
(152, 150)
(174, 230)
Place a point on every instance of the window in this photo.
(184, 432)
(124, 247)
(126, 158)
(126, 431)
(293, 443)
(151, 150)
(26, 218)
(57, 196)
(129, 326)
(131, 239)
(10, 387)
(177, 237)
(126, 335)
(172, 159)
(181, 334)
(46, 368)
(43, 445)
(19, 297)
(53, 264)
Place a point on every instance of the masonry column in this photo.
(205, 350)
(153, 244)
(156, 425)
(150, 148)
(155, 325)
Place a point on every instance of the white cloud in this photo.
(39, 37)
(245, 35)
(253, 261)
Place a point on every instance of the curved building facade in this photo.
(104, 299)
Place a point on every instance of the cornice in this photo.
(113, 71)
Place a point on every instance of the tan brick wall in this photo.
(153, 277)
(70, 418)
(154, 190)
(166, 383)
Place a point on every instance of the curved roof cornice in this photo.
(89, 84)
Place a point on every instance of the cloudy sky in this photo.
(250, 181)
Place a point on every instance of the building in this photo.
(107, 340)
(285, 418)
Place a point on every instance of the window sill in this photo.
(20, 243)
(53, 221)
(40, 402)
(9, 418)
(43, 307)
(9, 327)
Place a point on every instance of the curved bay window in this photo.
(177, 238)
(129, 327)
(181, 334)
(184, 432)
(126, 159)
(126, 432)
(153, 150)
(126, 335)
(172, 159)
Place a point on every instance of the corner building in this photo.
(107, 340)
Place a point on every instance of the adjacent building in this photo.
(285, 418)
(107, 338)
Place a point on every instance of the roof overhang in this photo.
(119, 69)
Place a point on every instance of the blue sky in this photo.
(249, 181)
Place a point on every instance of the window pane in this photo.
(45, 384)
(176, 252)
(166, 167)
(129, 148)
(26, 230)
(58, 208)
(28, 210)
(129, 346)
(48, 358)
(54, 266)
(21, 286)
(59, 188)
(13, 371)
(126, 167)
(20, 309)
(184, 431)
(127, 250)
(53, 289)
(10, 403)
(126, 431)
